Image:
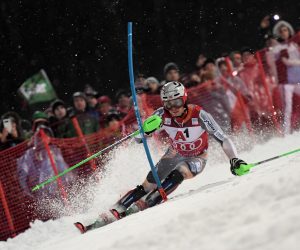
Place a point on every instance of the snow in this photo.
(215, 210)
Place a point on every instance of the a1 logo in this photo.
(182, 135)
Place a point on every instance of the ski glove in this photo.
(152, 124)
(235, 164)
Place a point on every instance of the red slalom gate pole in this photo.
(263, 78)
(54, 167)
(6, 211)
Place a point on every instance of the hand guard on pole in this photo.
(151, 124)
(235, 165)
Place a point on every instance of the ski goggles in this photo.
(177, 103)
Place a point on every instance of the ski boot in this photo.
(103, 220)
(120, 208)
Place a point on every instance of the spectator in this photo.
(236, 59)
(213, 92)
(79, 102)
(11, 130)
(104, 108)
(270, 43)
(39, 118)
(249, 72)
(265, 27)
(88, 123)
(92, 101)
(258, 106)
(209, 70)
(234, 81)
(233, 85)
(49, 113)
(194, 78)
(123, 103)
(114, 125)
(153, 85)
(140, 85)
(200, 61)
(59, 109)
(287, 56)
(190, 80)
(60, 123)
(35, 166)
(171, 73)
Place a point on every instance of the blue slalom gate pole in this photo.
(137, 113)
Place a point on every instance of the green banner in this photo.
(37, 89)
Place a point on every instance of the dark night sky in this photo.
(80, 42)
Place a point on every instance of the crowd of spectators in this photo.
(235, 73)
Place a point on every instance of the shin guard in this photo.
(169, 185)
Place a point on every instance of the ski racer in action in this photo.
(188, 127)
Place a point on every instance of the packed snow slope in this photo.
(215, 210)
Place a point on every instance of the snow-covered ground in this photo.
(215, 210)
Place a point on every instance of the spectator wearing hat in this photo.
(123, 102)
(140, 84)
(88, 123)
(92, 101)
(171, 72)
(79, 102)
(114, 126)
(40, 121)
(286, 54)
(39, 118)
(60, 123)
(104, 108)
(35, 166)
(153, 85)
(209, 72)
(11, 131)
(287, 59)
(59, 109)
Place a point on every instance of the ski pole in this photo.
(244, 169)
(151, 124)
(138, 116)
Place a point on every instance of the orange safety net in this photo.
(28, 164)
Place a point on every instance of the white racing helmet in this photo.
(172, 91)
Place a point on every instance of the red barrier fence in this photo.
(249, 99)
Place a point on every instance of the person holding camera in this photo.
(11, 131)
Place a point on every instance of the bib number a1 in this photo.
(182, 135)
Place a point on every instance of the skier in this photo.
(188, 127)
